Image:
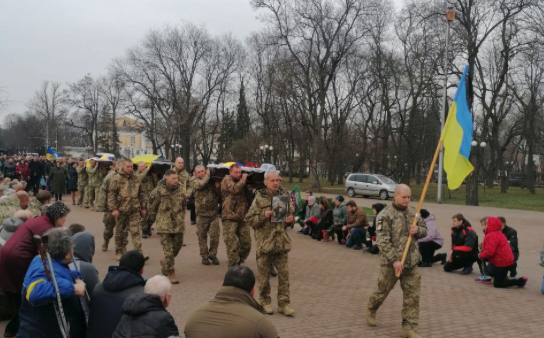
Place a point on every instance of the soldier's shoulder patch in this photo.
(379, 223)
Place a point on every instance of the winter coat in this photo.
(495, 247)
(464, 240)
(206, 197)
(23, 170)
(36, 170)
(433, 235)
(340, 214)
(83, 254)
(235, 203)
(269, 237)
(37, 315)
(357, 219)
(126, 194)
(325, 219)
(108, 299)
(145, 317)
(8, 228)
(392, 234)
(169, 204)
(9, 170)
(512, 237)
(19, 251)
(72, 182)
(233, 313)
(57, 179)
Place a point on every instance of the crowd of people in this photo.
(125, 304)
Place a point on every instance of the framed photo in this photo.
(280, 208)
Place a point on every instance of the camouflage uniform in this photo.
(236, 233)
(168, 204)
(102, 205)
(392, 233)
(273, 244)
(11, 204)
(148, 184)
(82, 182)
(101, 173)
(185, 180)
(91, 185)
(126, 196)
(207, 220)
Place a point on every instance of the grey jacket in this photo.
(8, 228)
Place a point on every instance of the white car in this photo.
(370, 185)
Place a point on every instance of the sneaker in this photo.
(522, 281)
(358, 247)
(484, 280)
(443, 257)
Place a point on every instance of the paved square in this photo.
(331, 284)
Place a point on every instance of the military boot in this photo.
(214, 260)
(286, 310)
(409, 333)
(205, 261)
(118, 256)
(371, 317)
(172, 277)
(268, 309)
(163, 268)
(105, 245)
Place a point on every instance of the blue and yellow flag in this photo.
(51, 154)
(457, 137)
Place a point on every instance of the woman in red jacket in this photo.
(22, 170)
(496, 250)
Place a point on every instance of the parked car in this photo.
(370, 185)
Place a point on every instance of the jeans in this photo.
(357, 236)
(542, 286)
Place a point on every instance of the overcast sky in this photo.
(62, 40)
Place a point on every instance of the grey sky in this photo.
(62, 40)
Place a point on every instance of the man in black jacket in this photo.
(464, 244)
(109, 296)
(145, 314)
(36, 173)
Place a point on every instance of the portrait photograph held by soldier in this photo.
(280, 206)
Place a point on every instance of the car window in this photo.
(386, 179)
(352, 178)
(362, 178)
(372, 180)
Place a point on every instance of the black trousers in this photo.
(340, 235)
(13, 324)
(501, 281)
(492, 268)
(58, 197)
(427, 249)
(460, 261)
(193, 215)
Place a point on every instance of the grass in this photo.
(515, 198)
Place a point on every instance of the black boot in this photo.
(466, 270)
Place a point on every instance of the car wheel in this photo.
(384, 195)
(351, 192)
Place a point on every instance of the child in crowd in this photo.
(496, 250)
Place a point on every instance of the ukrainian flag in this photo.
(457, 138)
(51, 154)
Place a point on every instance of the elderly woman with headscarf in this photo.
(312, 214)
(19, 251)
(37, 314)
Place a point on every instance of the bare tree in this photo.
(49, 103)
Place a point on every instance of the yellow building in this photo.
(132, 141)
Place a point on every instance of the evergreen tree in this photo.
(227, 136)
(242, 114)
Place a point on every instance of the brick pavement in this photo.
(330, 284)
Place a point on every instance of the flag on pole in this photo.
(51, 153)
(457, 137)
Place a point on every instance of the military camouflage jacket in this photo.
(82, 177)
(206, 197)
(91, 174)
(102, 203)
(168, 203)
(185, 180)
(101, 173)
(126, 194)
(9, 206)
(149, 182)
(269, 237)
(392, 229)
(234, 199)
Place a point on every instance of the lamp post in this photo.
(266, 152)
(478, 149)
(177, 149)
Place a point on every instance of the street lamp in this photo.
(479, 155)
(177, 148)
(266, 152)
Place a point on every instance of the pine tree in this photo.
(242, 114)
(227, 136)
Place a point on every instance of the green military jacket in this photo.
(149, 182)
(104, 190)
(91, 174)
(234, 199)
(269, 237)
(126, 194)
(392, 228)
(82, 177)
(185, 180)
(206, 197)
(168, 204)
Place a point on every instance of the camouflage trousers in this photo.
(410, 282)
(264, 263)
(128, 223)
(91, 196)
(207, 226)
(171, 246)
(109, 225)
(237, 237)
(146, 222)
(82, 189)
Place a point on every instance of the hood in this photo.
(84, 246)
(120, 278)
(11, 224)
(429, 219)
(141, 303)
(493, 224)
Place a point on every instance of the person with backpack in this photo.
(464, 245)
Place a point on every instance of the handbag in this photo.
(42, 182)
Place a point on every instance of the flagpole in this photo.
(421, 199)
(450, 17)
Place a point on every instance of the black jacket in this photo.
(9, 169)
(145, 316)
(512, 237)
(464, 240)
(108, 299)
(36, 170)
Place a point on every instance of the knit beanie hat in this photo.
(57, 210)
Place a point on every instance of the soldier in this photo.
(91, 185)
(273, 244)
(101, 173)
(184, 178)
(82, 182)
(236, 233)
(126, 201)
(102, 205)
(148, 183)
(393, 228)
(207, 220)
(168, 203)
